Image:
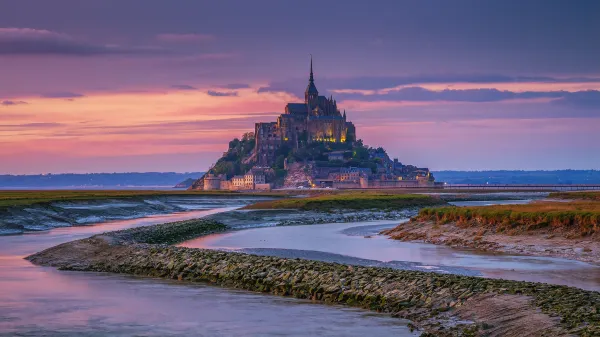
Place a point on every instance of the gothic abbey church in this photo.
(318, 119)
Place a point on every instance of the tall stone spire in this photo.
(311, 94)
(311, 78)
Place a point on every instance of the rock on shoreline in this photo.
(285, 217)
(440, 304)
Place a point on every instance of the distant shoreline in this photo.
(93, 187)
(97, 180)
(167, 180)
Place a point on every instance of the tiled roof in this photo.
(297, 108)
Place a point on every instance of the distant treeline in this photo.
(96, 179)
(519, 177)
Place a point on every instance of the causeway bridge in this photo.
(522, 187)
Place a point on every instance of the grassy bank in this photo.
(587, 195)
(10, 198)
(580, 218)
(350, 200)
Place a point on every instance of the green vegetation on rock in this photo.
(239, 156)
(168, 233)
(356, 154)
(236, 161)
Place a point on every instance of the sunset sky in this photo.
(153, 85)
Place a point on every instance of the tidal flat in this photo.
(44, 301)
(565, 229)
(33, 211)
(145, 249)
(432, 302)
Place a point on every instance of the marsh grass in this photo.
(579, 218)
(352, 200)
(587, 195)
(12, 198)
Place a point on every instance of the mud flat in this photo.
(569, 230)
(27, 213)
(541, 243)
(438, 304)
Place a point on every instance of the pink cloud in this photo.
(8, 102)
(28, 41)
(250, 107)
(41, 162)
(357, 105)
(184, 38)
(22, 34)
(5, 117)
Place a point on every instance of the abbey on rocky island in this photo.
(312, 144)
(318, 119)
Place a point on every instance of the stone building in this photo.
(318, 119)
(212, 182)
(352, 174)
(254, 177)
(238, 182)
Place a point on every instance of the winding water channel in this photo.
(37, 301)
(358, 243)
(40, 301)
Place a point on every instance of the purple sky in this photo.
(103, 85)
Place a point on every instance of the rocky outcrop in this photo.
(186, 183)
(198, 184)
(286, 217)
(441, 304)
(167, 233)
(298, 175)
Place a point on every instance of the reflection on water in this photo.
(40, 301)
(349, 239)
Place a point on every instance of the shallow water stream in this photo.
(358, 243)
(41, 301)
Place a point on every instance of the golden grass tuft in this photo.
(579, 217)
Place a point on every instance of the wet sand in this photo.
(540, 243)
(358, 243)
